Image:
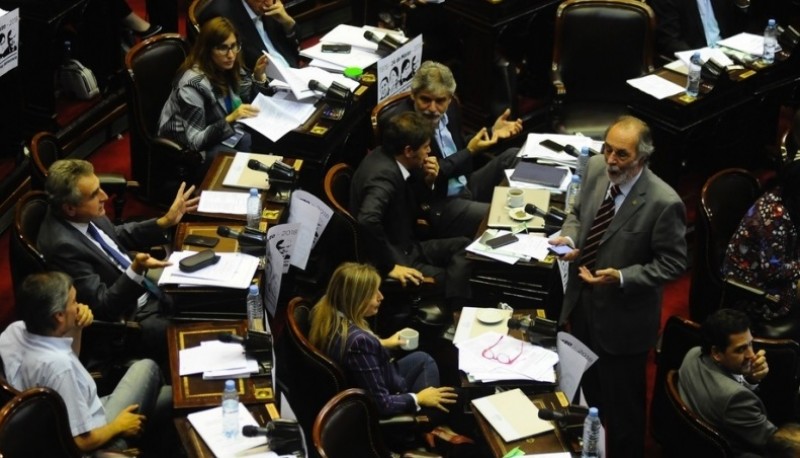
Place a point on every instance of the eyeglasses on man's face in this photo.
(225, 49)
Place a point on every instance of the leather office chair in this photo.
(45, 150)
(779, 388)
(383, 111)
(192, 16)
(724, 200)
(157, 163)
(590, 65)
(347, 426)
(35, 424)
(690, 435)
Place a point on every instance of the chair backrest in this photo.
(312, 377)
(7, 392)
(690, 435)
(677, 338)
(44, 151)
(385, 110)
(337, 186)
(783, 380)
(24, 256)
(594, 64)
(192, 18)
(35, 424)
(347, 426)
(724, 200)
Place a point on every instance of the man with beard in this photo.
(717, 379)
(627, 233)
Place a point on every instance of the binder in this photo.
(542, 175)
(512, 414)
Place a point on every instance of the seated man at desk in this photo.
(264, 26)
(683, 25)
(627, 233)
(387, 189)
(717, 381)
(43, 349)
(77, 238)
(461, 194)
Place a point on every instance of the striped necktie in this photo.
(601, 222)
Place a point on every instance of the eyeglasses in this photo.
(620, 153)
(501, 358)
(224, 50)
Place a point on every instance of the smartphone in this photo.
(336, 48)
(502, 240)
(233, 140)
(201, 240)
(559, 250)
(551, 145)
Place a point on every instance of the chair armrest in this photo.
(398, 420)
(112, 180)
(178, 152)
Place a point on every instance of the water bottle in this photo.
(253, 209)
(573, 190)
(693, 80)
(255, 310)
(770, 42)
(230, 410)
(591, 435)
(583, 160)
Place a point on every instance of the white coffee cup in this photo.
(409, 339)
(515, 198)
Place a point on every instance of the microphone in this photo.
(227, 337)
(534, 210)
(254, 431)
(336, 94)
(255, 164)
(560, 415)
(572, 151)
(315, 85)
(244, 238)
(386, 45)
(254, 341)
(552, 216)
(538, 331)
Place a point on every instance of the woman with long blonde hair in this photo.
(339, 327)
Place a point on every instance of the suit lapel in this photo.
(633, 202)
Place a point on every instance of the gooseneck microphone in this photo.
(386, 45)
(227, 337)
(534, 210)
(255, 164)
(562, 415)
(245, 238)
(254, 431)
(315, 85)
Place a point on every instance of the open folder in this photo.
(512, 415)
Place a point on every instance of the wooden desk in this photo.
(194, 445)
(191, 391)
(272, 203)
(551, 442)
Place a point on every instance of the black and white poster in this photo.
(396, 70)
(9, 40)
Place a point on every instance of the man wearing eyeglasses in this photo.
(264, 25)
(626, 232)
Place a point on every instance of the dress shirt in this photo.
(710, 26)
(258, 22)
(448, 147)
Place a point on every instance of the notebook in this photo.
(512, 414)
(240, 176)
(542, 175)
(499, 213)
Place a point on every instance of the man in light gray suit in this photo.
(617, 271)
(717, 381)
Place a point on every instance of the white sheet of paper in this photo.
(208, 424)
(214, 356)
(306, 216)
(325, 212)
(705, 54)
(746, 42)
(354, 36)
(273, 273)
(233, 270)
(233, 203)
(284, 237)
(656, 86)
(355, 58)
(277, 116)
(574, 357)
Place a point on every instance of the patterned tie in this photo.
(123, 261)
(601, 222)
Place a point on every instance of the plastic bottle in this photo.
(573, 190)
(253, 209)
(770, 42)
(693, 79)
(255, 310)
(591, 435)
(230, 410)
(583, 159)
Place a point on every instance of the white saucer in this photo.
(519, 214)
(490, 316)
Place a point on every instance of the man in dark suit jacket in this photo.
(679, 25)
(614, 305)
(68, 241)
(387, 188)
(258, 21)
(462, 194)
(717, 381)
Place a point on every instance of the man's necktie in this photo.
(601, 222)
(123, 261)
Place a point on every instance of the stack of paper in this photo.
(363, 52)
(527, 361)
(296, 79)
(208, 424)
(233, 270)
(533, 149)
(745, 42)
(216, 359)
(277, 115)
(241, 176)
(529, 246)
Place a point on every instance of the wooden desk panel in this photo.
(191, 391)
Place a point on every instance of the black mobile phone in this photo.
(551, 145)
(201, 240)
(337, 48)
(199, 260)
(502, 240)
(233, 140)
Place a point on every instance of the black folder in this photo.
(543, 175)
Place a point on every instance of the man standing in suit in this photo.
(693, 24)
(717, 381)
(388, 187)
(264, 25)
(627, 232)
(77, 238)
(462, 194)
